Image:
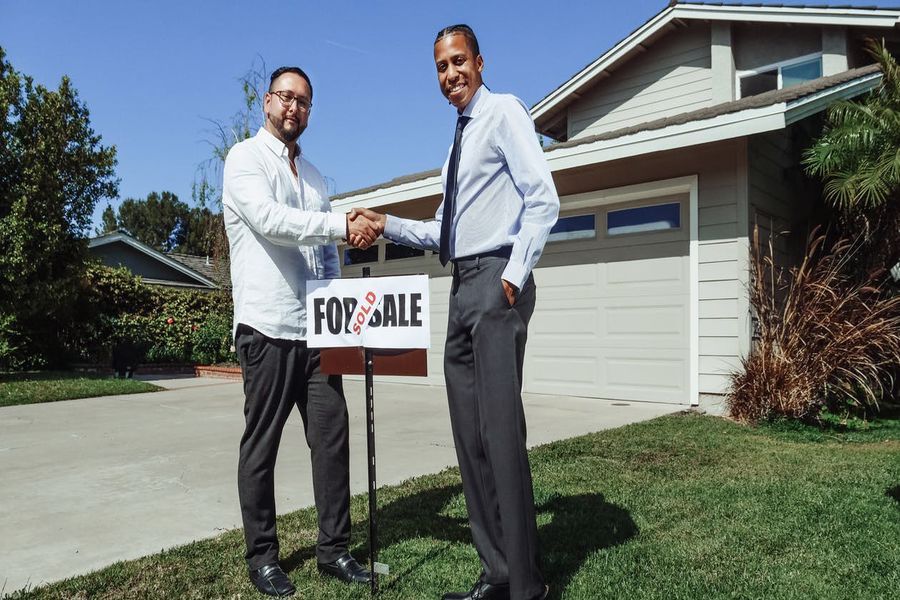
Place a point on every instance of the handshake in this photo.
(363, 227)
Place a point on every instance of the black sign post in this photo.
(370, 443)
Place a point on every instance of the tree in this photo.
(201, 226)
(108, 223)
(53, 171)
(158, 220)
(225, 134)
(858, 156)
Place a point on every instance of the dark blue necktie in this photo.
(450, 192)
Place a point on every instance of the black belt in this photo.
(501, 252)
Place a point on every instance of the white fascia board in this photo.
(422, 188)
(814, 103)
(118, 237)
(796, 15)
(597, 67)
(723, 127)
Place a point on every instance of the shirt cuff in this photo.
(516, 274)
(337, 226)
(392, 228)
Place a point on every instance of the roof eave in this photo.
(127, 239)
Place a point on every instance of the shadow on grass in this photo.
(894, 493)
(578, 526)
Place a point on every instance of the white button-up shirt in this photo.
(505, 193)
(281, 232)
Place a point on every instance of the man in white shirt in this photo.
(282, 234)
(499, 205)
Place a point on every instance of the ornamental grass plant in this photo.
(824, 337)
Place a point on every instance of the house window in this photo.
(779, 76)
(578, 227)
(355, 256)
(656, 217)
(394, 251)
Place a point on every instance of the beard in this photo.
(288, 131)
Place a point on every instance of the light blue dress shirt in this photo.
(505, 193)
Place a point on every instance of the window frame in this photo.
(614, 236)
(777, 66)
(583, 213)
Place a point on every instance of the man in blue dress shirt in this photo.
(499, 206)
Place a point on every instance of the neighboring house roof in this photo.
(204, 265)
(550, 109)
(190, 276)
(738, 118)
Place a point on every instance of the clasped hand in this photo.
(363, 227)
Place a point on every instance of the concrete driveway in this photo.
(86, 483)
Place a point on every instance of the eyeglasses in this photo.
(287, 99)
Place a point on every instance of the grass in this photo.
(52, 386)
(675, 508)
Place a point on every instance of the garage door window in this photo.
(577, 227)
(657, 217)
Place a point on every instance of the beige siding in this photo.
(759, 44)
(672, 77)
(777, 202)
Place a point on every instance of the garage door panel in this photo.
(657, 272)
(567, 282)
(646, 319)
(575, 323)
(637, 374)
(578, 369)
(657, 377)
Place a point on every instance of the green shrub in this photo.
(120, 314)
(212, 341)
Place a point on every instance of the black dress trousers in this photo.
(279, 375)
(483, 360)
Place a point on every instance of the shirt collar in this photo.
(476, 103)
(274, 144)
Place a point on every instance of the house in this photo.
(185, 271)
(673, 144)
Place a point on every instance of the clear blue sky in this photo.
(151, 72)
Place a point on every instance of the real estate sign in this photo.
(373, 312)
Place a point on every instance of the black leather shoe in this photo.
(272, 581)
(347, 570)
(545, 594)
(481, 591)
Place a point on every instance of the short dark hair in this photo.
(296, 70)
(463, 29)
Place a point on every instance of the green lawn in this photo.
(678, 507)
(51, 386)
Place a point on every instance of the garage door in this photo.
(612, 315)
(612, 318)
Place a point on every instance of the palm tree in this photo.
(858, 157)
